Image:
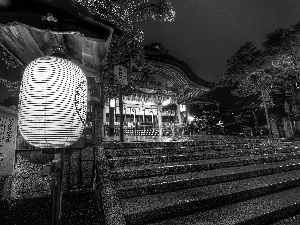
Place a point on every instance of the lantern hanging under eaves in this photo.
(52, 103)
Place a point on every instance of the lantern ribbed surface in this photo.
(52, 103)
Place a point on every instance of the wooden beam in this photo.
(33, 15)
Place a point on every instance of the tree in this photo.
(283, 45)
(12, 86)
(283, 42)
(208, 122)
(281, 78)
(10, 102)
(240, 64)
(286, 72)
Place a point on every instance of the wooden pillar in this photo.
(144, 120)
(104, 114)
(125, 115)
(152, 120)
(159, 110)
(178, 113)
(111, 120)
(121, 114)
(104, 120)
(144, 110)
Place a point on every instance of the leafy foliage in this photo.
(126, 50)
(246, 58)
(208, 122)
(283, 41)
(13, 86)
(281, 77)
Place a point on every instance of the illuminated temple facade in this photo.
(162, 97)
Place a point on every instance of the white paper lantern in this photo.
(52, 103)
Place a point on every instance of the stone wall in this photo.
(28, 179)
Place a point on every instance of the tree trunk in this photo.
(274, 127)
(287, 127)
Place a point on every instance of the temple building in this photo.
(163, 93)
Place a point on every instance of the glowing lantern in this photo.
(112, 102)
(52, 103)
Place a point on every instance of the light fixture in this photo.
(166, 102)
(191, 118)
(182, 108)
(52, 103)
(112, 102)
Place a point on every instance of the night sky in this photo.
(206, 33)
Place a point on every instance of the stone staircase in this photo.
(242, 181)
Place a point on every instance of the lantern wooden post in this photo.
(57, 185)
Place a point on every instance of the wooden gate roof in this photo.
(41, 27)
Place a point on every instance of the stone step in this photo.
(129, 172)
(257, 211)
(293, 220)
(118, 152)
(116, 145)
(193, 156)
(128, 188)
(137, 210)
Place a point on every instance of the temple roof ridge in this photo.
(155, 52)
